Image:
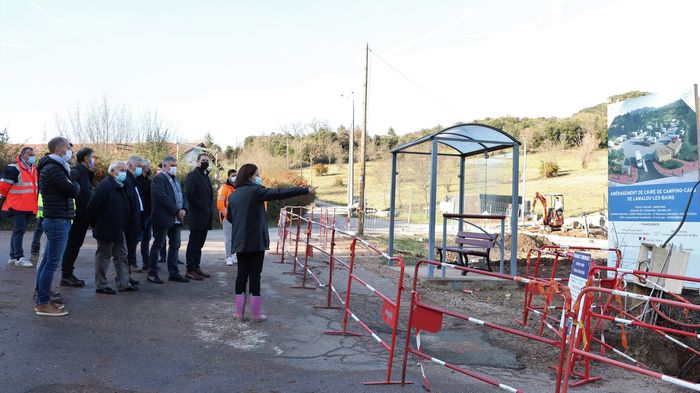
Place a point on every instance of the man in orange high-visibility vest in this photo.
(18, 188)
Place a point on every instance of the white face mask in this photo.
(173, 170)
(68, 155)
(233, 179)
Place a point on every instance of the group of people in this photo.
(128, 207)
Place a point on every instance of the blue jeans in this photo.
(19, 227)
(159, 236)
(146, 238)
(56, 230)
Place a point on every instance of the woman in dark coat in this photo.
(250, 237)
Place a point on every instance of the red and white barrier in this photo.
(424, 317)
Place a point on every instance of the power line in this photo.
(412, 81)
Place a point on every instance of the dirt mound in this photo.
(525, 244)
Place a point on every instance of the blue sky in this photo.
(236, 68)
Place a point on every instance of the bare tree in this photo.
(113, 129)
(588, 146)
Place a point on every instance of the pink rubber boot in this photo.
(240, 307)
(255, 303)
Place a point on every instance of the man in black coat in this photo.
(144, 183)
(169, 206)
(110, 211)
(82, 174)
(135, 228)
(200, 198)
(58, 192)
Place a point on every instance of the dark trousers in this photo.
(36, 240)
(146, 237)
(159, 236)
(19, 227)
(194, 249)
(250, 266)
(132, 242)
(76, 237)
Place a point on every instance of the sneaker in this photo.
(56, 297)
(11, 261)
(72, 281)
(59, 306)
(234, 258)
(229, 260)
(49, 310)
(24, 262)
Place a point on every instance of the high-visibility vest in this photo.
(22, 194)
(222, 200)
(40, 207)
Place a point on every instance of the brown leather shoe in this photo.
(192, 275)
(201, 273)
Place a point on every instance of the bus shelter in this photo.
(462, 141)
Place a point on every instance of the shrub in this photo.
(671, 164)
(282, 179)
(320, 169)
(339, 182)
(549, 169)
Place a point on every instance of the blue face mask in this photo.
(31, 160)
(121, 176)
(258, 180)
(138, 172)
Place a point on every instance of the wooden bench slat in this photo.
(476, 242)
(477, 235)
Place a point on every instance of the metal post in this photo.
(513, 215)
(432, 213)
(351, 156)
(392, 205)
(461, 191)
(524, 174)
(410, 211)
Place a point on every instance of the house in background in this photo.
(663, 153)
(193, 150)
(675, 145)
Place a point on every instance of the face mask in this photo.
(68, 155)
(91, 163)
(204, 165)
(258, 180)
(173, 170)
(233, 179)
(31, 160)
(121, 176)
(138, 172)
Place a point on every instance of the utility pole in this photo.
(363, 154)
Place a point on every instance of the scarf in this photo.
(178, 193)
(60, 160)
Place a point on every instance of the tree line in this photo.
(303, 144)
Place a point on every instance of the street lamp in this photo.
(351, 154)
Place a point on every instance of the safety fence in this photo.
(540, 304)
(610, 308)
(581, 330)
(429, 318)
(300, 237)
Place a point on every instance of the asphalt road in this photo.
(180, 337)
